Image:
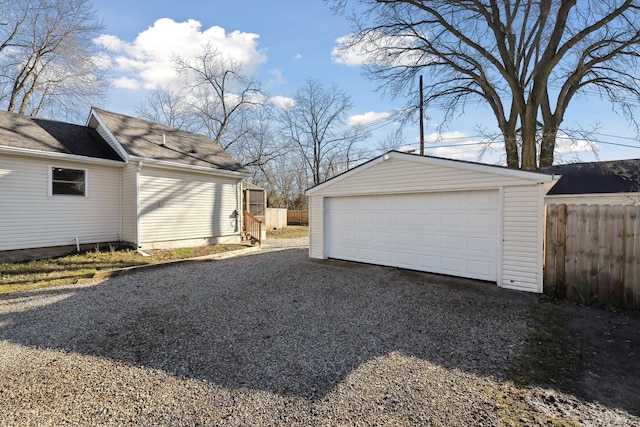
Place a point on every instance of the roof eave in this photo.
(27, 152)
(190, 168)
(463, 165)
(113, 141)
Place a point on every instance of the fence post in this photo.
(551, 242)
(561, 253)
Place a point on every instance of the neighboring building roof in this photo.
(32, 133)
(145, 139)
(618, 176)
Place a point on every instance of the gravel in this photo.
(278, 339)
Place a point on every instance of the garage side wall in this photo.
(522, 242)
(181, 209)
(316, 227)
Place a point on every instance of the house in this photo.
(435, 215)
(117, 179)
(614, 182)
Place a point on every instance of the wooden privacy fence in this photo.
(297, 217)
(592, 254)
(275, 218)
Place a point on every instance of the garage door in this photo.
(453, 233)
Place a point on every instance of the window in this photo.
(256, 202)
(68, 182)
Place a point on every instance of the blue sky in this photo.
(284, 42)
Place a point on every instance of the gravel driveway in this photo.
(278, 339)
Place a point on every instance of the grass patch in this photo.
(22, 276)
(289, 232)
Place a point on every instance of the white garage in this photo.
(435, 215)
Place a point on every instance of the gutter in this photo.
(59, 156)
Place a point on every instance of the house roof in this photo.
(31, 133)
(618, 176)
(145, 139)
(437, 161)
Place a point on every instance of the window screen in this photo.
(68, 182)
(256, 202)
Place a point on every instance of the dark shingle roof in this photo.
(18, 131)
(144, 139)
(618, 176)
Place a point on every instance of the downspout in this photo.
(77, 244)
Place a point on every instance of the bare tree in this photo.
(220, 93)
(49, 62)
(169, 107)
(526, 59)
(315, 123)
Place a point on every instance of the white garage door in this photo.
(453, 233)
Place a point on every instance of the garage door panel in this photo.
(451, 242)
(450, 233)
(480, 244)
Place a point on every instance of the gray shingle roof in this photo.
(18, 131)
(144, 139)
(616, 176)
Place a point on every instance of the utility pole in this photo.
(421, 119)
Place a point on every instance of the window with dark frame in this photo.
(69, 182)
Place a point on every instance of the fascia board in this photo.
(59, 156)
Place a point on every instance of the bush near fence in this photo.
(297, 217)
(592, 254)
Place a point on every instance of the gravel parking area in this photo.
(278, 339)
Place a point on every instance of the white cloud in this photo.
(127, 83)
(282, 102)
(298, 56)
(566, 145)
(366, 118)
(470, 153)
(148, 58)
(377, 48)
(454, 145)
(278, 79)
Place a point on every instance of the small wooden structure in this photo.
(254, 209)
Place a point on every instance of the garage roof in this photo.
(438, 161)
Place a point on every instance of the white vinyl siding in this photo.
(181, 206)
(395, 175)
(30, 218)
(519, 228)
(522, 238)
(130, 203)
(316, 227)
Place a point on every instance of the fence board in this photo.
(571, 252)
(617, 255)
(582, 289)
(591, 267)
(295, 217)
(636, 269)
(592, 254)
(550, 250)
(629, 255)
(561, 253)
(604, 274)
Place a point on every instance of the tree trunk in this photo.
(548, 146)
(529, 127)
